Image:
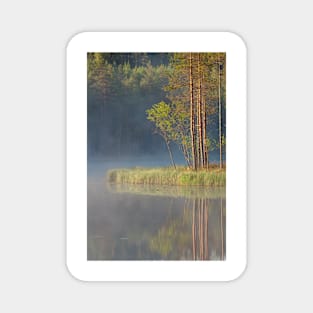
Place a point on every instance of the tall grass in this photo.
(168, 176)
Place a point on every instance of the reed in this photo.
(181, 176)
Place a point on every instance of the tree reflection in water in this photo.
(199, 234)
(136, 222)
(207, 240)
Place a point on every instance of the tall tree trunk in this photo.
(199, 116)
(204, 121)
(220, 111)
(205, 146)
(192, 126)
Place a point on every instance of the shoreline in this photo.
(165, 176)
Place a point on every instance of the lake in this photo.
(135, 222)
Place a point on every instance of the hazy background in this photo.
(121, 88)
(32, 135)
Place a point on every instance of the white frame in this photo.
(235, 262)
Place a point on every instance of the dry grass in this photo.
(182, 176)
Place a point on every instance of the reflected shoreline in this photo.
(188, 192)
(153, 222)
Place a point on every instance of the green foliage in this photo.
(171, 239)
(123, 86)
(162, 116)
(120, 89)
(200, 77)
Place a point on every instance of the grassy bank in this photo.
(189, 192)
(168, 176)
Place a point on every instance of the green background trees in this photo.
(123, 87)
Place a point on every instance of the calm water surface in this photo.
(154, 222)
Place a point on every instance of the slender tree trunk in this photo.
(199, 117)
(185, 153)
(170, 153)
(205, 148)
(192, 127)
(188, 157)
(220, 111)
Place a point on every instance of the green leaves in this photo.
(161, 115)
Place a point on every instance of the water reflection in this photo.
(198, 234)
(133, 222)
(207, 240)
(168, 191)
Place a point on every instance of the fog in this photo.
(126, 226)
(136, 226)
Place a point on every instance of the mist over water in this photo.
(140, 226)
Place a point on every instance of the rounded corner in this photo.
(239, 273)
(74, 38)
(239, 39)
(73, 274)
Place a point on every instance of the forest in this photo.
(157, 103)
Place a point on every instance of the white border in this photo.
(77, 263)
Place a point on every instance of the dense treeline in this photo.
(123, 86)
(120, 89)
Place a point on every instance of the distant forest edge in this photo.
(129, 92)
